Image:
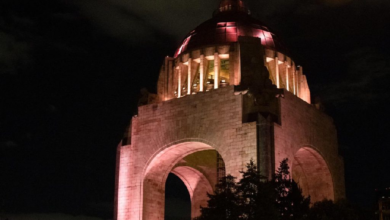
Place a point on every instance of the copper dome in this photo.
(231, 20)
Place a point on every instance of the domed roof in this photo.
(230, 21)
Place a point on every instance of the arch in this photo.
(311, 172)
(197, 186)
(172, 159)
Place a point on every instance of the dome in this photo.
(231, 20)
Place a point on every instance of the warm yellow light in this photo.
(210, 57)
(269, 59)
(224, 56)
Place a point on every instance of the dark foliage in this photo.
(257, 195)
(254, 197)
(341, 210)
(251, 198)
(224, 203)
(290, 201)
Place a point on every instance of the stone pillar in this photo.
(231, 68)
(201, 73)
(299, 73)
(166, 80)
(129, 196)
(294, 80)
(277, 72)
(287, 78)
(216, 71)
(179, 81)
(171, 80)
(237, 64)
(265, 146)
(189, 76)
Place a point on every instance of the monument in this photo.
(230, 94)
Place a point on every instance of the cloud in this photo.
(275, 8)
(139, 20)
(14, 54)
(54, 216)
(366, 81)
(9, 145)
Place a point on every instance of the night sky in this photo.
(71, 71)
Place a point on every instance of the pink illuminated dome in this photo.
(231, 20)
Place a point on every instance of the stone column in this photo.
(201, 73)
(299, 74)
(179, 81)
(294, 80)
(189, 76)
(287, 78)
(171, 80)
(277, 72)
(166, 80)
(265, 145)
(216, 71)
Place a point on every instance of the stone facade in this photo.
(240, 100)
(167, 137)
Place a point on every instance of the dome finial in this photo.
(232, 5)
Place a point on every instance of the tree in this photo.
(341, 210)
(253, 197)
(289, 201)
(256, 195)
(224, 203)
(299, 204)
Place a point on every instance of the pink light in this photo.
(183, 46)
(156, 172)
(231, 30)
(221, 30)
(231, 24)
(310, 170)
(197, 186)
(267, 34)
(221, 24)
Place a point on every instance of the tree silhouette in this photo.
(256, 194)
(289, 201)
(224, 203)
(255, 197)
(341, 210)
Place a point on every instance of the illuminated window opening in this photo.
(196, 80)
(271, 73)
(209, 84)
(224, 73)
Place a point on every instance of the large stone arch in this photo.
(181, 160)
(311, 172)
(197, 185)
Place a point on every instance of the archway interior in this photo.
(311, 172)
(177, 199)
(194, 163)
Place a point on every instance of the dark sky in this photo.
(71, 71)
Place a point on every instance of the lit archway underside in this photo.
(197, 186)
(311, 172)
(156, 173)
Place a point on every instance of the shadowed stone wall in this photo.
(171, 137)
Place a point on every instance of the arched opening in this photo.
(195, 163)
(310, 171)
(177, 199)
